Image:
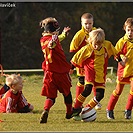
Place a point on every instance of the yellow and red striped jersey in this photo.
(79, 40)
(94, 62)
(125, 47)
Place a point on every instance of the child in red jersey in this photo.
(13, 100)
(56, 69)
(94, 59)
(124, 73)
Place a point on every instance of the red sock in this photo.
(92, 103)
(112, 102)
(79, 101)
(48, 104)
(94, 91)
(129, 104)
(79, 90)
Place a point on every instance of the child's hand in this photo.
(124, 60)
(66, 30)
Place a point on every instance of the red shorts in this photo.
(96, 85)
(126, 80)
(54, 82)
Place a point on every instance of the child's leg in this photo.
(49, 102)
(99, 96)
(80, 86)
(115, 96)
(68, 103)
(129, 104)
(113, 100)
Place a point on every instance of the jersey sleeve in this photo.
(76, 41)
(62, 36)
(81, 56)
(111, 49)
(9, 107)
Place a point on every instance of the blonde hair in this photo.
(96, 36)
(128, 22)
(13, 79)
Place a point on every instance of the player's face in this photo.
(97, 45)
(18, 86)
(129, 32)
(87, 24)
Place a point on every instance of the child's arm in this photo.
(64, 33)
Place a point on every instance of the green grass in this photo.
(56, 119)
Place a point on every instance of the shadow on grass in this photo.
(114, 121)
(51, 111)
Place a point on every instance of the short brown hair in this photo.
(128, 22)
(87, 16)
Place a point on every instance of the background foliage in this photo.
(20, 30)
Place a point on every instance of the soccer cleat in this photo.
(44, 117)
(98, 106)
(68, 116)
(110, 114)
(76, 111)
(127, 114)
(77, 118)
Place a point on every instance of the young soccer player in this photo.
(94, 59)
(56, 72)
(78, 41)
(4, 87)
(3, 90)
(13, 100)
(124, 73)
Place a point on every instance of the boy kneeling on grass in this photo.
(13, 101)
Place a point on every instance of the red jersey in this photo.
(10, 102)
(55, 60)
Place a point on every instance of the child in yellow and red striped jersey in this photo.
(56, 69)
(78, 41)
(94, 59)
(124, 73)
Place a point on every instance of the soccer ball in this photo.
(88, 114)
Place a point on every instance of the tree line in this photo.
(20, 31)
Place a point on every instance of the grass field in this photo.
(56, 121)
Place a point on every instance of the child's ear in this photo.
(18, 74)
(12, 86)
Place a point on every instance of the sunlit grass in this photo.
(56, 119)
